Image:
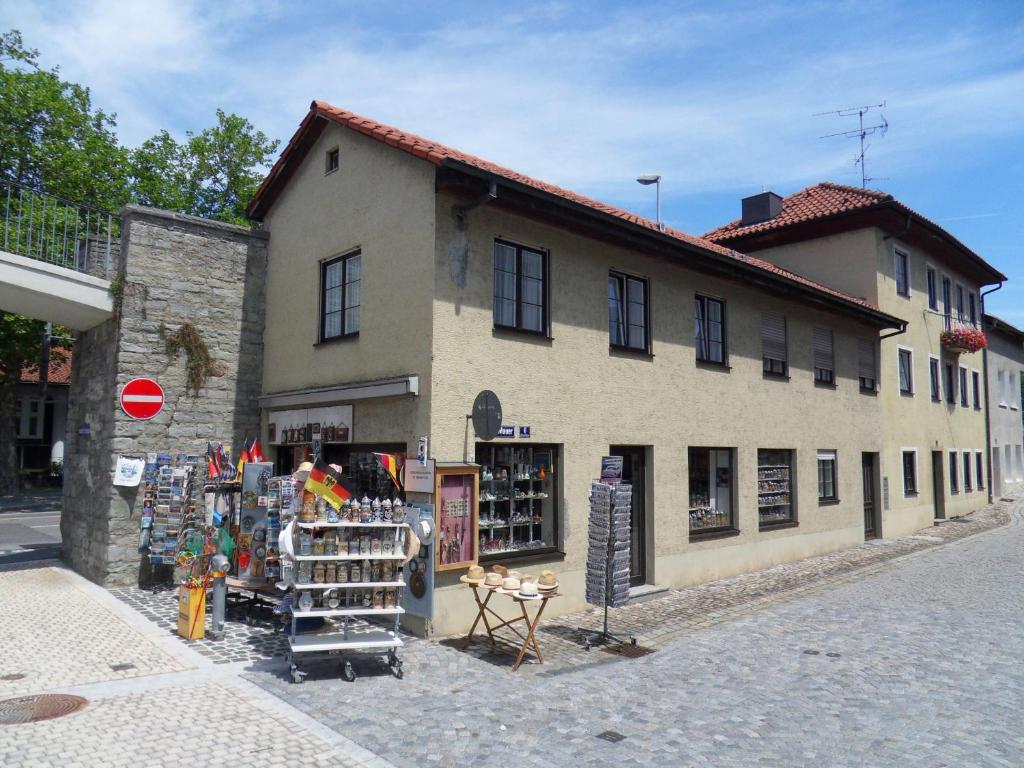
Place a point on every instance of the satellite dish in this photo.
(487, 415)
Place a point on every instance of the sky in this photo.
(720, 98)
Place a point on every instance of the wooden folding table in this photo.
(529, 639)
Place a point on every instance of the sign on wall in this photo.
(142, 399)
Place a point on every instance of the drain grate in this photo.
(613, 736)
(122, 667)
(46, 706)
(13, 676)
(627, 650)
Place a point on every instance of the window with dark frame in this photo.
(933, 379)
(967, 472)
(824, 358)
(628, 313)
(902, 274)
(933, 291)
(909, 473)
(954, 473)
(773, 344)
(520, 288)
(950, 384)
(947, 302)
(867, 368)
(979, 470)
(976, 386)
(960, 313)
(827, 486)
(340, 288)
(776, 497)
(906, 363)
(709, 329)
(331, 160)
(712, 489)
(972, 309)
(964, 392)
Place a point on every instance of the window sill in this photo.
(910, 494)
(775, 376)
(906, 394)
(828, 502)
(504, 331)
(937, 400)
(715, 533)
(336, 339)
(825, 384)
(526, 556)
(710, 365)
(977, 408)
(870, 392)
(1003, 405)
(778, 526)
(639, 354)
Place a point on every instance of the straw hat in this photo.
(528, 589)
(547, 582)
(412, 545)
(474, 575)
(528, 577)
(510, 584)
(515, 575)
(492, 580)
(500, 569)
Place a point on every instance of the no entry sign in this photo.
(142, 398)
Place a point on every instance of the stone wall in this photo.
(176, 269)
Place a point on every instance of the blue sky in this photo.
(717, 97)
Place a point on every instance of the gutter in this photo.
(988, 412)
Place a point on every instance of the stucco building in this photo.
(1005, 364)
(404, 277)
(931, 398)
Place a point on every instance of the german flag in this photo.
(390, 463)
(324, 481)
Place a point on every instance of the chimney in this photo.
(758, 208)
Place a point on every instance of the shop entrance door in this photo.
(938, 485)
(867, 463)
(634, 472)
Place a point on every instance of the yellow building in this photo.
(405, 277)
(932, 396)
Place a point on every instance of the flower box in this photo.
(965, 339)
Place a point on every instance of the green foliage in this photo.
(199, 365)
(20, 345)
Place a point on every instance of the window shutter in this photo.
(822, 348)
(866, 359)
(773, 335)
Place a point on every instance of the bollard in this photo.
(220, 593)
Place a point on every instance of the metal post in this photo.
(220, 593)
(657, 197)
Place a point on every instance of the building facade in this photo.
(1005, 370)
(405, 277)
(931, 396)
(41, 415)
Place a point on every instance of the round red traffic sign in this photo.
(142, 398)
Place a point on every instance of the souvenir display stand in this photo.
(483, 608)
(346, 569)
(608, 554)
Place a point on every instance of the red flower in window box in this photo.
(964, 339)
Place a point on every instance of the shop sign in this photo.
(524, 431)
(419, 478)
(507, 430)
(85, 430)
(142, 399)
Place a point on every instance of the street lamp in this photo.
(654, 179)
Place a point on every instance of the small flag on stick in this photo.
(390, 462)
(255, 452)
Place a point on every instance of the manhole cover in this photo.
(628, 650)
(46, 706)
(13, 676)
(122, 667)
(612, 736)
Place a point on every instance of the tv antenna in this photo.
(862, 132)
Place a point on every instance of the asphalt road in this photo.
(29, 535)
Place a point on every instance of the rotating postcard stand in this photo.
(608, 555)
(362, 547)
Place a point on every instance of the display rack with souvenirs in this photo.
(515, 490)
(774, 501)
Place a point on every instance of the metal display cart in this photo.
(351, 630)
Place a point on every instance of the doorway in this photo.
(938, 485)
(867, 463)
(634, 472)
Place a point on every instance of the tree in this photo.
(212, 174)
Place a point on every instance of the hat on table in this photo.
(492, 580)
(510, 584)
(474, 575)
(547, 582)
(500, 569)
(528, 589)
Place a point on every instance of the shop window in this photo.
(933, 293)
(906, 365)
(360, 466)
(824, 362)
(331, 160)
(902, 273)
(520, 288)
(519, 494)
(827, 489)
(712, 482)
(775, 501)
(867, 370)
(964, 392)
(340, 288)
(950, 384)
(909, 473)
(979, 470)
(709, 329)
(954, 473)
(933, 378)
(773, 344)
(628, 312)
(967, 471)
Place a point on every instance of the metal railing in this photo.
(57, 231)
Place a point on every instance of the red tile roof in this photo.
(60, 371)
(441, 155)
